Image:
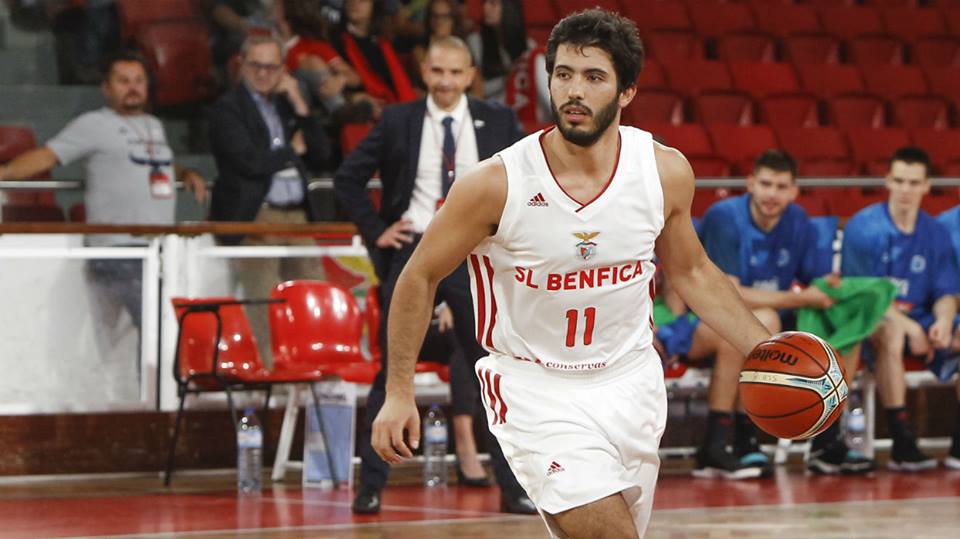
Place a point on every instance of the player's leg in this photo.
(888, 341)
(606, 518)
(953, 458)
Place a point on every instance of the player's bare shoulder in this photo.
(676, 178)
(480, 194)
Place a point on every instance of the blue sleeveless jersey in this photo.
(766, 260)
(950, 219)
(922, 265)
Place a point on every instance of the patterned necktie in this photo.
(448, 162)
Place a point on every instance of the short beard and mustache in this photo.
(578, 135)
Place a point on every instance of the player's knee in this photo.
(769, 318)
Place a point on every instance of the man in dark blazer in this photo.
(260, 132)
(419, 148)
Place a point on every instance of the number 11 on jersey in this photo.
(590, 316)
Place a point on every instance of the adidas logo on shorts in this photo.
(554, 468)
(538, 201)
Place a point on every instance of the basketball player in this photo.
(951, 220)
(560, 230)
(899, 241)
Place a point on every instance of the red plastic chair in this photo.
(714, 19)
(820, 151)
(134, 15)
(695, 76)
(656, 15)
(740, 144)
(216, 351)
(875, 49)
(909, 23)
(654, 106)
(937, 51)
(872, 148)
(15, 140)
(760, 79)
(783, 19)
(828, 80)
(731, 107)
(565, 7)
(691, 139)
(945, 83)
(708, 166)
(941, 145)
(846, 22)
(652, 75)
(891, 82)
(32, 213)
(923, 111)
(790, 110)
(540, 14)
(848, 111)
(746, 46)
(179, 56)
(811, 49)
(672, 45)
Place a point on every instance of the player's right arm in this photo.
(470, 214)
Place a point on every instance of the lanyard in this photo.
(147, 138)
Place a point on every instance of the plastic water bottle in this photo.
(434, 448)
(856, 435)
(249, 452)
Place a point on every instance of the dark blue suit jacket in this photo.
(393, 148)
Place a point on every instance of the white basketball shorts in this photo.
(572, 438)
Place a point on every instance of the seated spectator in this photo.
(499, 42)
(233, 21)
(897, 240)
(309, 56)
(951, 220)
(444, 19)
(260, 132)
(129, 172)
(359, 40)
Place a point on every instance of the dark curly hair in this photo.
(777, 161)
(605, 30)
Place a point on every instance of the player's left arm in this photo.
(702, 285)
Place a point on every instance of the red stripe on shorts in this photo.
(493, 302)
(503, 403)
(491, 398)
(481, 301)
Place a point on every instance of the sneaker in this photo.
(907, 457)
(953, 457)
(714, 462)
(836, 458)
(757, 459)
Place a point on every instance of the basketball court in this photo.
(790, 505)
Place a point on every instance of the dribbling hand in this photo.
(396, 416)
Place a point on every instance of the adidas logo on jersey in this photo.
(538, 201)
(554, 468)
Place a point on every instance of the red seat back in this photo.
(740, 144)
(32, 213)
(238, 357)
(942, 145)
(937, 51)
(713, 19)
(670, 45)
(909, 23)
(782, 19)
(691, 139)
(872, 148)
(811, 49)
(925, 111)
(694, 76)
(655, 15)
(134, 15)
(857, 111)
(828, 80)
(746, 46)
(317, 324)
(179, 56)
(15, 140)
(652, 75)
(654, 106)
(875, 49)
(890, 82)
(761, 79)
(731, 107)
(790, 110)
(846, 22)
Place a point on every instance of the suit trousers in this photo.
(455, 291)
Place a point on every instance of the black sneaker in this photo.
(367, 502)
(907, 457)
(714, 462)
(837, 458)
(953, 457)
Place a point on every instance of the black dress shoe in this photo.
(520, 505)
(470, 482)
(367, 502)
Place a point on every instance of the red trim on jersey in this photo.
(653, 295)
(491, 398)
(483, 383)
(493, 302)
(616, 164)
(481, 297)
(503, 403)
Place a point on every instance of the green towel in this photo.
(860, 305)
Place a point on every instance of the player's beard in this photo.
(601, 121)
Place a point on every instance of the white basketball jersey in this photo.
(564, 284)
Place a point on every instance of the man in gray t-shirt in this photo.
(130, 171)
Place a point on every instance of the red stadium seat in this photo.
(940, 200)
(872, 148)
(540, 14)
(705, 166)
(846, 22)
(857, 111)
(820, 151)
(703, 198)
(811, 49)
(823, 168)
(652, 75)
(657, 15)
(790, 110)
(746, 46)
(853, 199)
(351, 134)
(952, 16)
(875, 49)
(654, 106)
(693, 77)
(730, 107)
(937, 51)
(830, 79)
(891, 82)
(691, 139)
(566, 7)
(32, 213)
(135, 15)
(740, 144)
(910, 23)
(179, 57)
(942, 145)
(714, 19)
(760, 79)
(814, 202)
(671, 45)
(951, 169)
(945, 82)
(783, 19)
(925, 111)
(15, 140)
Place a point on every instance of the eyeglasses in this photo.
(269, 68)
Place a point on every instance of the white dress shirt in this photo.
(427, 188)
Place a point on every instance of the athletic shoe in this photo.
(953, 458)
(836, 458)
(759, 460)
(715, 462)
(907, 457)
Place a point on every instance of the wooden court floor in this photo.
(791, 505)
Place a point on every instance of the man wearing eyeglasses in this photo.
(260, 134)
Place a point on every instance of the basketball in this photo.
(792, 385)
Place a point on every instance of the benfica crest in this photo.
(586, 248)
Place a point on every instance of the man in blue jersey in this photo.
(765, 243)
(899, 241)
(951, 220)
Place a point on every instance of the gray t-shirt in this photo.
(129, 170)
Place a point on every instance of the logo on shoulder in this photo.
(538, 201)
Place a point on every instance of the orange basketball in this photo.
(792, 385)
